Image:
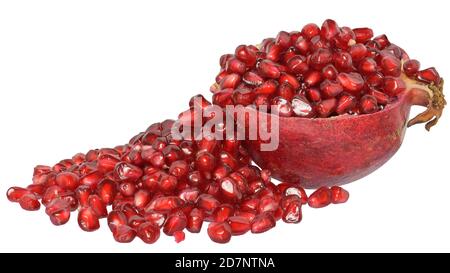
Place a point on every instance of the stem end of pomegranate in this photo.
(436, 104)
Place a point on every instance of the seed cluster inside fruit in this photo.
(157, 181)
(318, 72)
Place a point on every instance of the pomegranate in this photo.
(346, 109)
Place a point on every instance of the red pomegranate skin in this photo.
(338, 150)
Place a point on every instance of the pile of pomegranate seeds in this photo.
(157, 181)
(318, 72)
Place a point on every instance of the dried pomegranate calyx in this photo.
(429, 95)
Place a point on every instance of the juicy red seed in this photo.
(124, 234)
(393, 86)
(245, 54)
(368, 104)
(67, 180)
(312, 78)
(15, 193)
(292, 213)
(107, 191)
(411, 67)
(97, 205)
(135, 221)
(175, 222)
(165, 204)
(267, 204)
(382, 40)
(195, 220)
(29, 202)
(381, 97)
(59, 212)
(302, 45)
(37, 189)
(148, 232)
(262, 223)
(155, 218)
(266, 88)
(390, 65)
(329, 72)
(358, 52)
(116, 218)
(320, 58)
(297, 191)
(330, 89)
(329, 29)
(310, 30)
(339, 195)
(207, 203)
(301, 107)
(229, 190)
(273, 52)
(289, 79)
(92, 179)
(82, 193)
(283, 39)
(326, 107)
(368, 66)
(239, 225)
(205, 162)
(313, 94)
(223, 212)
(179, 236)
(219, 232)
(268, 69)
(235, 66)
(375, 80)
(351, 82)
(107, 162)
(429, 75)
(251, 78)
(286, 91)
(88, 219)
(243, 96)
(127, 188)
(52, 193)
(230, 81)
(320, 198)
(199, 101)
(283, 107)
(343, 61)
(345, 103)
(363, 35)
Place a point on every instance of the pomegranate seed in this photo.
(329, 72)
(30, 202)
(267, 88)
(292, 212)
(97, 206)
(411, 67)
(91, 179)
(127, 188)
(368, 66)
(310, 30)
(351, 82)
(205, 161)
(243, 96)
(246, 55)
(358, 52)
(82, 193)
(239, 225)
(155, 218)
(363, 35)
(207, 203)
(368, 104)
(251, 78)
(107, 191)
(107, 162)
(135, 221)
(301, 107)
(235, 66)
(179, 236)
(393, 86)
(195, 220)
(37, 189)
(124, 234)
(88, 219)
(148, 232)
(59, 212)
(267, 204)
(312, 78)
(219, 232)
(375, 80)
(382, 40)
(302, 45)
(52, 193)
(320, 58)
(345, 103)
(330, 89)
(390, 65)
(381, 97)
(343, 61)
(15, 193)
(329, 29)
(313, 94)
(326, 107)
(320, 198)
(268, 69)
(164, 204)
(283, 39)
(283, 107)
(230, 81)
(262, 223)
(339, 195)
(115, 219)
(429, 75)
(67, 180)
(297, 191)
(273, 52)
(223, 212)
(175, 222)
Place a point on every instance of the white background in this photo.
(76, 75)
